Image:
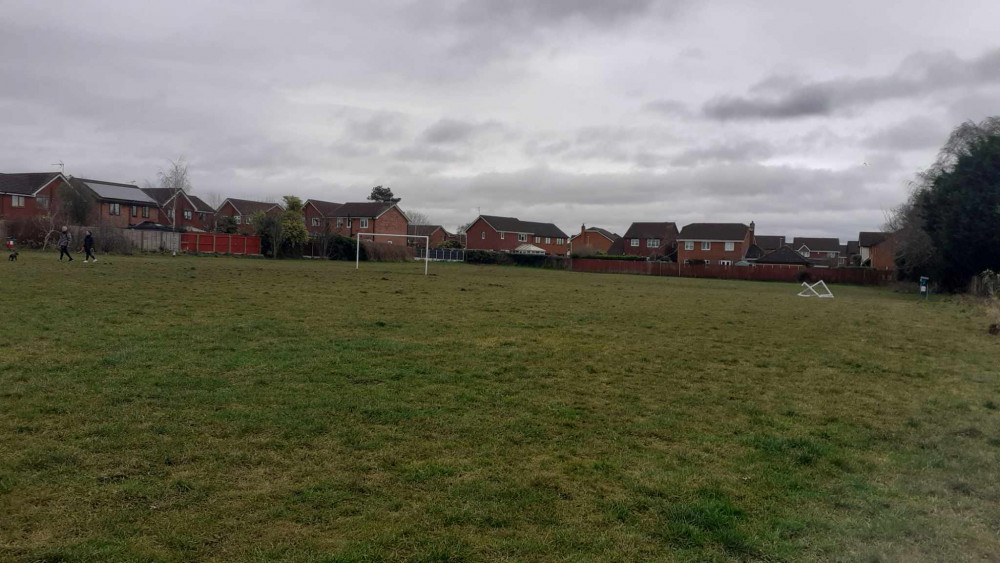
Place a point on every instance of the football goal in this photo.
(357, 249)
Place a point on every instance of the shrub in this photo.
(626, 257)
(803, 276)
(343, 248)
(385, 252)
(449, 244)
(487, 257)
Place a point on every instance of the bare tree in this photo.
(418, 218)
(175, 179)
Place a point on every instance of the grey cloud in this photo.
(380, 126)
(917, 76)
(453, 131)
(527, 13)
(429, 154)
(915, 133)
(726, 151)
(670, 108)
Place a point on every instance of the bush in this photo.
(487, 257)
(385, 252)
(804, 276)
(627, 257)
(505, 259)
(342, 248)
(449, 244)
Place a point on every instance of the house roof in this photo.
(249, 207)
(25, 183)
(869, 238)
(713, 231)
(768, 243)
(817, 244)
(363, 209)
(515, 225)
(784, 255)
(617, 247)
(651, 230)
(325, 208)
(423, 230)
(527, 248)
(852, 248)
(603, 232)
(753, 252)
(199, 204)
(115, 192)
(163, 195)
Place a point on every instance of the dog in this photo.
(13, 256)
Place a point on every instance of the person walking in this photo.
(88, 246)
(65, 238)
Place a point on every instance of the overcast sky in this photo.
(807, 117)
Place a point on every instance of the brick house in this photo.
(117, 205)
(510, 234)
(349, 219)
(826, 249)
(877, 250)
(649, 239)
(436, 233)
(714, 243)
(592, 239)
(242, 210)
(183, 211)
(32, 194)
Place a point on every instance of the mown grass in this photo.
(178, 409)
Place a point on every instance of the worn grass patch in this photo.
(177, 409)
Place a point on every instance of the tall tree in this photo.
(175, 178)
(383, 194)
(417, 218)
(950, 227)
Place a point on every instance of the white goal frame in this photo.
(357, 247)
(810, 290)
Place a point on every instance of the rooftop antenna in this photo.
(62, 167)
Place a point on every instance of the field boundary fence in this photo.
(757, 272)
(440, 254)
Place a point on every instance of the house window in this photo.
(706, 245)
(364, 223)
(170, 214)
(340, 222)
(538, 240)
(548, 240)
(633, 242)
(17, 201)
(730, 246)
(501, 235)
(42, 202)
(708, 262)
(239, 220)
(145, 212)
(482, 235)
(804, 252)
(652, 243)
(114, 209)
(315, 221)
(831, 254)
(348, 222)
(522, 238)
(725, 262)
(201, 216)
(135, 210)
(689, 245)
(560, 241)
(187, 214)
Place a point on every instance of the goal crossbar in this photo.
(357, 249)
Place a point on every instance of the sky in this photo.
(808, 118)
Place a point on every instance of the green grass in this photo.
(178, 409)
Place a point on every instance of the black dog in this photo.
(13, 256)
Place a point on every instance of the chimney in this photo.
(751, 226)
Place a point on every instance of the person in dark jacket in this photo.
(65, 238)
(88, 247)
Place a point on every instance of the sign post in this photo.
(923, 286)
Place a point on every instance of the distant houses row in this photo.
(32, 195)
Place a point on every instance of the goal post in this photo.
(357, 247)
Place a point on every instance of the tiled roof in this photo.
(363, 209)
(325, 208)
(26, 183)
(160, 195)
(664, 230)
(423, 230)
(784, 255)
(852, 248)
(871, 238)
(713, 231)
(515, 225)
(817, 244)
(249, 207)
(768, 243)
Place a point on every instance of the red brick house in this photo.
(436, 233)
(242, 211)
(320, 216)
(183, 211)
(714, 243)
(877, 250)
(510, 234)
(827, 249)
(592, 240)
(349, 219)
(649, 239)
(32, 194)
(117, 205)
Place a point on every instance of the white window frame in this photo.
(135, 210)
(364, 223)
(188, 215)
(831, 254)
(706, 245)
(145, 212)
(315, 221)
(548, 240)
(501, 235)
(522, 238)
(17, 201)
(239, 219)
(652, 243)
(708, 262)
(633, 242)
(348, 222)
(114, 209)
(689, 245)
(340, 222)
(725, 262)
(730, 246)
(560, 241)
(482, 235)
(538, 240)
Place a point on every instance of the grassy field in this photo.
(220, 409)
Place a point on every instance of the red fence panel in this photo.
(220, 243)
